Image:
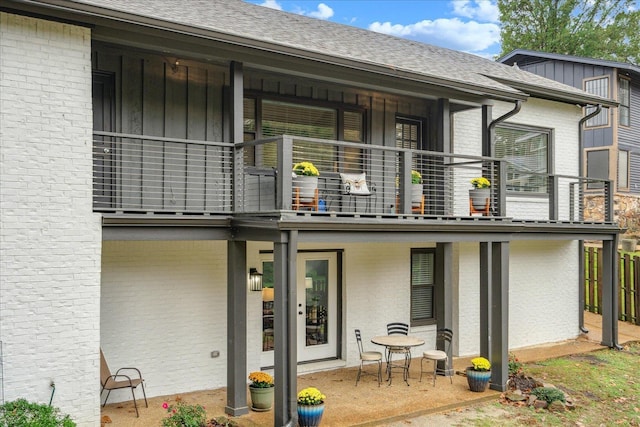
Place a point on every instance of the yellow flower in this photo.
(261, 379)
(480, 182)
(481, 364)
(310, 396)
(305, 168)
(416, 178)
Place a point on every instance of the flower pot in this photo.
(261, 398)
(478, 380)
(310, 415)
(478, 197)
(307, 186)
(416, 194)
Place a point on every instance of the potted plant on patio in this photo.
(261, 390)
(310, 407)
(416, 187)
(479, 374)
(480, 192)
(305, 177)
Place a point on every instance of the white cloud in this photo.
(482, 10)
(272, 4)
(323, 12)
(453, 33)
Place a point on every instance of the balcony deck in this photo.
(140, 179)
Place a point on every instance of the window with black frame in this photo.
(422, 286)
(277, 117)
(526, 152)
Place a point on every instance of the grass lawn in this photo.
(604, 386)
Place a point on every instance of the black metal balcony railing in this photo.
(134, 173)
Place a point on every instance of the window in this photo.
(408, 133)
(422, 286)
(526, 151)
(624, 97)
(265, 118)
(597, 167)
(623, 169)
(600, 87)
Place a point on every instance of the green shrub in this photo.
(548, 394)
(183, 415)
(21, 413)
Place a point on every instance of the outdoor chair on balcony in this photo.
(368, 357)
(445, 336)
(356, 185)
(397, 328)
(120, 380)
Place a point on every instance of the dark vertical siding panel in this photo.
(269, 85)
(196, 129)
(304, 91)
(131, 166)
(334, 95)
(175, 126)
(153, 94)
(215, 105)
(217, 188)
(287, 88)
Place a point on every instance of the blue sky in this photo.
(466, 25)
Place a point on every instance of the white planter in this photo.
(416, 193)
(479, 197)
(307, 186)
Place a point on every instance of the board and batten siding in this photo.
(155, 97)
(629, 138)
(574, 74)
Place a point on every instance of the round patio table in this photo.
(390, 341)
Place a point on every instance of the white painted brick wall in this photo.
(561, 118)
(543, 294)
(164, 309)
(49, 237)
(164, 304)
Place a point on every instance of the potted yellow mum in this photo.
(310, 407)
(480, 193)
(261, 390)
(479, 374)
(305, 178)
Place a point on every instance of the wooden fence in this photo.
(628, 285)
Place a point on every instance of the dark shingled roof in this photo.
(251, 24)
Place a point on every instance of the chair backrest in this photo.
(359, 340)
(397, 328)
(105, 373)
(445, 335)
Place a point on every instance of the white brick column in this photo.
(50, 240)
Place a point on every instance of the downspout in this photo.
(504, 117)
(487, 151)
(581, 277)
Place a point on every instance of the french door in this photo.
(316, 308)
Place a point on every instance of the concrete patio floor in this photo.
(367, 404)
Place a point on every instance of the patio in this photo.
(368, 404)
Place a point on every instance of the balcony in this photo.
(151, 175)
